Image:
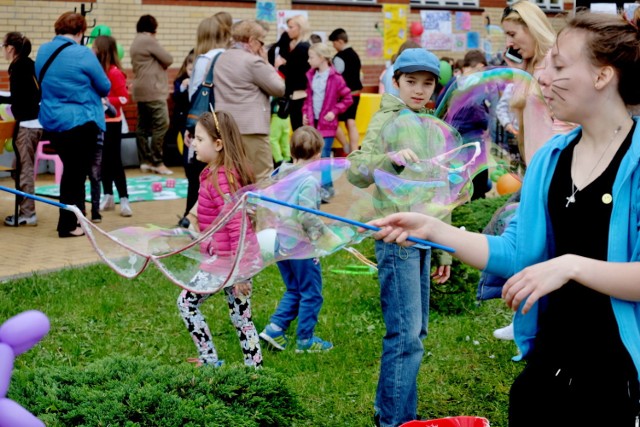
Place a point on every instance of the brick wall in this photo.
(179, 19)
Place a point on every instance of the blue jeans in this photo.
(326, 149)
(303, 297)
(327, 183)
(404, 276)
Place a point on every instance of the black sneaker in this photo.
(96, 218)
(184, 222)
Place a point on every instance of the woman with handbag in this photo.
(293, 48)
(71, 110)
(212, 38)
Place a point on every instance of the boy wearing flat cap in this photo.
(403, 272)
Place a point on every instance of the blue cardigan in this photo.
(72, 87)
(533, 242)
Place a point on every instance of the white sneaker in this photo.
(163, 170)
(505, 333)
(107, 203)
(22, 220)
(145, 167)
(125, 209)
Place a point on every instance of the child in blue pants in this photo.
(302, 277)
(403, 272)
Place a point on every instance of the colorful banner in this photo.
(395, 27)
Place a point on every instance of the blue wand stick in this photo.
(346, 220)
(34, 197)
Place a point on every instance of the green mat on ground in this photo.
(139, 189)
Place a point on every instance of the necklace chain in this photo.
(574, 187)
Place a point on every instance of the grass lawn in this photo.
(95, 313)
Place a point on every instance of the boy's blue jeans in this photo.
(404, 276)
(303, 297)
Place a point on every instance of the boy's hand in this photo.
(329, 116)
(441, 274)
(403, 157)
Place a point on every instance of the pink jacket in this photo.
(223, 243)
(337, 98)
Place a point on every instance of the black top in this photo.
(181, 105)
(295, 69)
(577, 325)
(25, 91)
(347, 63)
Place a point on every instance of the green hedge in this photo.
(459, 293)
(126, 391)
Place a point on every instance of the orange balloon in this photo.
(508, 183)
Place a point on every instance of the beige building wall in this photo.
(178, 24)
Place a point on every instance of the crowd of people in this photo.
(572, 291)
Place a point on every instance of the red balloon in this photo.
(416, 29)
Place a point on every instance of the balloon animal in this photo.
(18, 335)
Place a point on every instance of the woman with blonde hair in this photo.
(529, 32)
(293, 48)
(530, 35)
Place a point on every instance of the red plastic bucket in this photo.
(462, 421)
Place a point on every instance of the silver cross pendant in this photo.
(570, 199)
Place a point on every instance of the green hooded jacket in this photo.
(380, 142)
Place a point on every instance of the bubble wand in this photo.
(345, 220)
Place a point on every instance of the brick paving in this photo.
(26, 250)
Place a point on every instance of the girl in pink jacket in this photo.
(218, 143)
(327, 97)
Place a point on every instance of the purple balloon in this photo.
(24, 330)
(6, 368)
(14, 415)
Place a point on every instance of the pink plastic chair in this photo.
(462, 421)
(41, 155)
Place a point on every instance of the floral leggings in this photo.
(240, 313)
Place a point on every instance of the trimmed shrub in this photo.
(132, 391)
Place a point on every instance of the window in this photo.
(547, 5)
(550, 5)
(446, 3)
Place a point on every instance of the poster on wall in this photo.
(473, 40)
(459, 43)
(266, 10)
(283, 17)
(437, 41)
(463, 21)
(395, 27)
(629, 9)
(436, 21)
(610, 8)
(374, 47)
